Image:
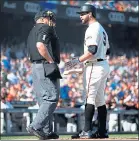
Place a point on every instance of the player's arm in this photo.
(42, 41)
(91, 43)
(92, 50)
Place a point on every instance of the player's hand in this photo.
(70, 64)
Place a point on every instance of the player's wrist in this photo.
(76, 61)
(51, 62)
(79, 59)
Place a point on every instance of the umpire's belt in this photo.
(88, 63)
(39, 61)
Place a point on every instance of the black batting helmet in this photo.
(87, 8)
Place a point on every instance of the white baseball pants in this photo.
(96, 75)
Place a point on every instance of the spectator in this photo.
(5, 105)
(113, 117)
(71, 124)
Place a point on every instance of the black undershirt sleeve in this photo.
(93, 49)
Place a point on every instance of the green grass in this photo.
(113, 136)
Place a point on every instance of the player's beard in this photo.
(85, 20)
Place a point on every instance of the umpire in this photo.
(43, 50)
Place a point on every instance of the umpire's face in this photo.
(42, 20)
(85, 16)
(45, 20)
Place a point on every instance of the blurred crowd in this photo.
(16, 80)
(122, 85)
(122, 6)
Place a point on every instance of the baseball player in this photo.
(96, 47)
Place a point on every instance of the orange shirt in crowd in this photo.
(10, 97)
(12, 93)
(73, 2)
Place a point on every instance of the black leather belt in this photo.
(100, 60)
(91, 62)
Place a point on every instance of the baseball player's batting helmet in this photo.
(87, 8)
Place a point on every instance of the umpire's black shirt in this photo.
(47, 35)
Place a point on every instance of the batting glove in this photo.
(70, 64)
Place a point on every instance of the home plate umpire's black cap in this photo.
(87, 8)
(45, 13)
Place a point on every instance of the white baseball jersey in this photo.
(96, 35)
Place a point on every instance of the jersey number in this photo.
(104, 38)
